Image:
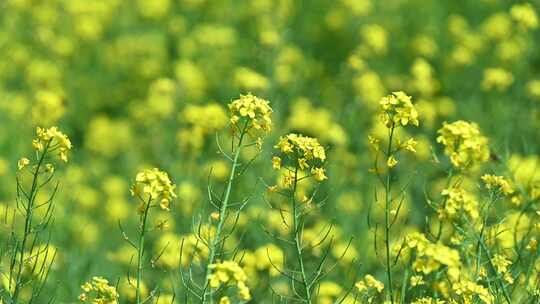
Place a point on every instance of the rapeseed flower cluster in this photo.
(369, 288)
(502, 267)
(229, 273)
(23, 162)
(468, 291)
(428, 300)
(398, 109)
(54, 141)
(250, 113)
(300, 153)
(430, 257)
(98, 291)
(525, 15)
(458, 202)
(463, 143)
(138, 82)
(498, 183)
(153, 184)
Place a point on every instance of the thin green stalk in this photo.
(28, 224)
(500, 279)
(297, 240)
(404, 282)
(222, 213)
(388, 201)
(481, 246)
(140, 250)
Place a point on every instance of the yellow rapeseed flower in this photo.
(229, 273)
(398, 109)
(22, 163)
(319, 174)
(250, 112)
(496, 79)
(153, 184)
(53, 140)
(306, 147)
(391, 162)
(464, 143)
(525, 15)
(98, 291)
(300, 153)
(369, 283)
(494, 182)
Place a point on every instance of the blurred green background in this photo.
(146, 83)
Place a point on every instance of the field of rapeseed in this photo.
(269, 151)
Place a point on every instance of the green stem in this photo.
(140, 250)
(481, 246)
(388, 202)
(500, 279)
(222, 213)
(297, 240)
(28, 224)
(405, 282)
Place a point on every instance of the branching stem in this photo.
(28, 214)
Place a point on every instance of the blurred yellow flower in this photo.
(525, 15)
(499, 183)
(229, 273)
(98, 290)
(496, 79)
(23, 162)
(391, 162)
(369, 282)
(248, 79)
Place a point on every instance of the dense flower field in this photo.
(269, 151)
